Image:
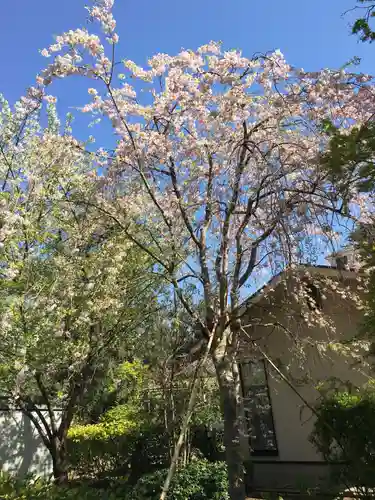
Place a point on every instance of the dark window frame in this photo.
(315, 296)
(270, 452)
(342, 262)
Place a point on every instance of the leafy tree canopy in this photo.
(362, 26)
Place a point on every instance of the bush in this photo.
(345, 432)
(12, 489)
(115, 422)
(131, 439)
(97, 449)
(107, 452)
(199, 480)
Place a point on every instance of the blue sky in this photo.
(311, 37)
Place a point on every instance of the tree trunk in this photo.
(232, 427)
(59, 461)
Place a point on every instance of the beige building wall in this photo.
(293, 348)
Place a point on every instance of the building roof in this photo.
(195, 348)
(302, 268)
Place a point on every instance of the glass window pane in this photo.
(258, 407)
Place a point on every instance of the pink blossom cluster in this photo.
(31, 101)
(78, 37)
(68, 62)
(102, 12)
(209, 132)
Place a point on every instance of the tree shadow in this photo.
(22, 451)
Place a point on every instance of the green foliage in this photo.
(197, 481)
(132, 438)
(344, 431)
(12, 489)
(207, 411)
(125, 440)
(362, 27)
(99, 453)
(350, 156)
(120, 384)
(102, 451)
(118, 421)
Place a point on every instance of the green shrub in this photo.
(115, 422)
(97, 453)
(12, 489)
(131, 439)
(199, 480)
(97, 449)
(345, 432)
(134, 452)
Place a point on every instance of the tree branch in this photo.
(42, 389)
(184, 215)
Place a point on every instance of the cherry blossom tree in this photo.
(215, 175)
(73, 290)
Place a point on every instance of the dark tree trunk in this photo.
(59, 461)
(232, 427)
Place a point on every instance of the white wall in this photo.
(21, 450)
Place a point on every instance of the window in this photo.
(342, 262)
(315, 299)
(258, 409)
